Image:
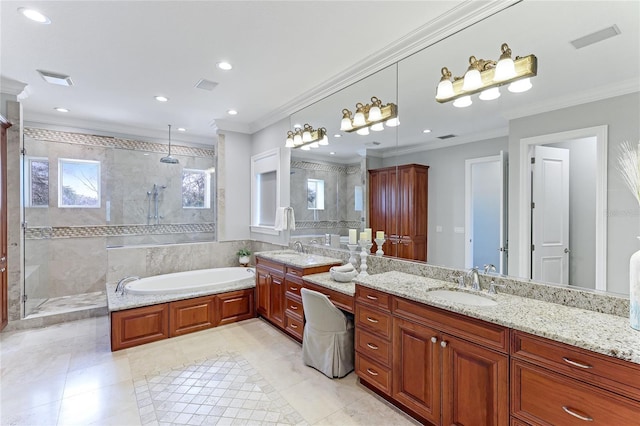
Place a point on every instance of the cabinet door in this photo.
(276, 300)
(234, 306)
(475, 384)
(137, 326)
(190, 315)
(263, 282)
(416, 368)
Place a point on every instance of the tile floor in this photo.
(243, 373)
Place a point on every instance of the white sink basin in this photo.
(463, 297)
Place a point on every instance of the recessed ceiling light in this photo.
(34, 15)
(232, 112)
(332, 153)
(161, 99)
(60, 109)
(182, 129)
(337, 135)
(55, 78)
(426, 131)
(225, 66)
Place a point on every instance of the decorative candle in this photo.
(353, 236)
(368, 231)
(363, 236)
(380, 235)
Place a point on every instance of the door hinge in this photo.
(24, 225)
(23, 151)
(24, 298)
(533, 160)
(533, 247)
(533, 205)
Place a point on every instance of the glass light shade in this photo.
(505, 70)
(490, 94)
(377, 127)
(393, 122)
(314, 145)
(345, 124)
(305, 148)
(445, 89)
(462, 102)
(472, 80)
(297, 139)
(306, 136)
(375, 114)
(324, 140)
(520, 86)
(289, 143)
(363, 132)
(358, 119)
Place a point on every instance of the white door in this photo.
(550, 215)
(484, 212)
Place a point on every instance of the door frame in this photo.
(600, 133)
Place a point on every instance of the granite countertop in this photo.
(299, 260)
(324, 279)
(602, 333)
(118, 302)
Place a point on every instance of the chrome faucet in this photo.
(488, 268)
(475, 278)
(120, 286)
(297, 246)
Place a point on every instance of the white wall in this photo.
(623, 225)
(234, 162)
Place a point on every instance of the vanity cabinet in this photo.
(554, 383)
(398, 205)
(278, 293)
(444, 368)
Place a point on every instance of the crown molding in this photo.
(13, 87)
(230, 126)
(449, 23)
(620, 88)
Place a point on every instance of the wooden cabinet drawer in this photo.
(294, 326)
(373, 373)
(374, 347)
(296, 272)
(373, 297)
(341, 300)
(481, 332)
(294, 307)
(610, 373)
(541, 397)
(293, 287)
(373, 320)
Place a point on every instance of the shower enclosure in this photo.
(82, 194)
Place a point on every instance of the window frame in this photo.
(28, 202)
(207, 188)
(61, 162)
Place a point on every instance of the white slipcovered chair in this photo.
(327, 342)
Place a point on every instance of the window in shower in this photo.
(196, 186)
(79, 183)
(37, 182)
(315, 194)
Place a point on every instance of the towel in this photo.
(285, 219)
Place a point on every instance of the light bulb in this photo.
(289, 143)
(324, 140)
(520, 86)
(472, 80)
(306, 136)
(374, 113)
(377, 127)
(462, 102)
(314, 145)
(505, 70)
(363, 132)
(445, 89)
(305, 148)
(297, 139)
(490, 94)
(358, 119)
(393, 122)
(345, 124)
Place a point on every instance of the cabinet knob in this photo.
(3, 258)
(371, 297)
(577, 415)
(443, 344)
(373, 320)
(434, 340)
(372, 346)
(295, 308)
(3, 269)
(293, 326)
(372, 372)
(576, 363)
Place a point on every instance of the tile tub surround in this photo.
(570, 296)
(602, 333)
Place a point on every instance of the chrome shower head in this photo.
(169, 159)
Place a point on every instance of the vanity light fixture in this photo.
(306, 137)
(373, 116)
(485, 76)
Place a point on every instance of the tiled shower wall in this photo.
(66, 248)
(339, 213)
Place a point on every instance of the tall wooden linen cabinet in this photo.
(398, 205)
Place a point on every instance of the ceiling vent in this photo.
(596, 37)
(206, 84)
(55, 78)
(446, 137)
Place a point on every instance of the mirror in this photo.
(575, 89)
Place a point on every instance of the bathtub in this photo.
(190, 281)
